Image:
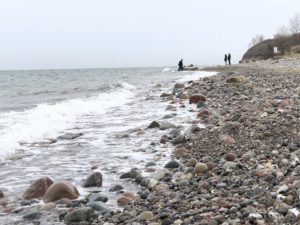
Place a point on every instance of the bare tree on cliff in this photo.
(256, 40)
(282, 31)
(295, 24)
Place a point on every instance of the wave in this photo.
(196, 75)
(48, 121)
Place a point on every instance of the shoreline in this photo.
(241, 169)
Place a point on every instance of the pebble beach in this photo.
(234, 160)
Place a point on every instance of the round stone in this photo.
(201, 168)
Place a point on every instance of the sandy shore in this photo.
(243, 168)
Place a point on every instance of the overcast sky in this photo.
(41, 34)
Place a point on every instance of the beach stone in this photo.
(49, 206)
(195, 99)
(153, 124)
(298, 90)
(248, 155)
(230, 157)
(94, 180)
(95, 197)
(79, 215)
(228, 140)
(221, 185)
(179, 152)
(229, 165)
(172, 164)
(97, 206)
(201, 168)
(123, 200)
(38, 188)
(283, 104)
(213, 222)
(179, 86)
(59, 190)
(149, 164)
(1, 194)
(164, 139)
(166, 126)
(183, 96)
(192, 162)
(70, 136)
(167, 222)
(147, 215)
(164, 95)
(203, 113)
(32, 216)
(115, 188)
(230, 128)
(179, 139)
(151, 183)
(63, 201)
(159, 174)
(132, 174)
(235, 79)
(171, 108)
(201, 104)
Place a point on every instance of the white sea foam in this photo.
(46, 121)
(196, 75)
(166, 69)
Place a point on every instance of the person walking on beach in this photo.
(229, 59)
(225, 59)
(180, 65)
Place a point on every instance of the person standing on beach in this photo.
(180, 65)
(225, 59)
(229, 59)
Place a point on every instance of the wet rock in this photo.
(1, 194)
(70, 136)
(32, 216)
(164, 95)
(28, 202)
(171, 108)
(123, 200)
(94, 180)
(179, 139)
(79, 215)
(59, 190)
(166, 126)
(149, 164)
(179, 86)
(63, 201)
(154, 124)
(97, 206)
(115, 188)
(195, 99)
(201, 168)
(95, 197)
(169, 116)
(38, 188)
(132, 174)
(172, 164)
(203, 113)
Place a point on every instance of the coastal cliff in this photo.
(286, 45)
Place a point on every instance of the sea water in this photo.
(109, 108)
